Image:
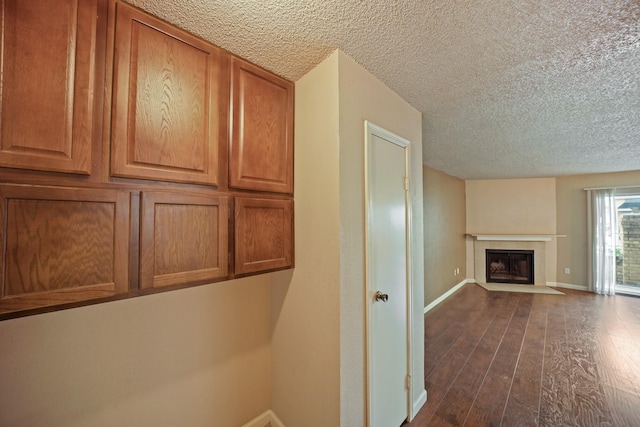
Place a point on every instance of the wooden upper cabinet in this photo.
(62, 245)
(263, 235)
(261, 156)
(169, 103)
(48, 81)
(184, 239)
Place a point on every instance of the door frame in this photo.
(624, 193)
(371, 130)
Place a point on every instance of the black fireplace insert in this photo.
(509, 266)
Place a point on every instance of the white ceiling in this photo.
(507, 88)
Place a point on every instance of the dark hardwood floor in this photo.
(515, 359)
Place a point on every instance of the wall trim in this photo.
(267, 417)
(419, 403)
(568, 286)
(447, 294)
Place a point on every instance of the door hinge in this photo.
(406, 181)
(408, 382)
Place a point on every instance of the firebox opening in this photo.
(509, 266)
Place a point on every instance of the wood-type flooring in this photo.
(516, 359)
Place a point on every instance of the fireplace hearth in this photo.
(509, 266)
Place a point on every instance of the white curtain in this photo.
(602, 236)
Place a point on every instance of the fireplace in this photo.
(510, 242)
(509, 266)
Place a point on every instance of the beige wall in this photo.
(572, 220)
(318, 311)
(513, 206)
(306, 302)
(568, 211)
(193, 357)
(444, 229)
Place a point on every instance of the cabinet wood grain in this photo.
(62, 245)
(48, 83)
(263, 234)
(184, 239)
(261, 154)
(135, 158)
(169, 105)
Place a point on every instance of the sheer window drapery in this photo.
(602, 244)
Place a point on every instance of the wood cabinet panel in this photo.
(184, 239)
(86, 235)
(263, 234)
(48, 83)
(62, 245)
(169, 106)
(261, 156)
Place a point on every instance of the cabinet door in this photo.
(62, 245)
(261, 155)
(184, 239)
(263, 235)
(48, 82)
(168, 110)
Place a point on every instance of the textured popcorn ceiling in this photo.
(507, 88)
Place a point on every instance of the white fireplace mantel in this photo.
(517, 237)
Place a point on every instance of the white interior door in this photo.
(387, 278)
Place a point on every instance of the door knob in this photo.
(379, 296)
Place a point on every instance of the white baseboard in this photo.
(447, 294)
(568, 286)
(419, 403)
(267, 417)
(275, 421)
